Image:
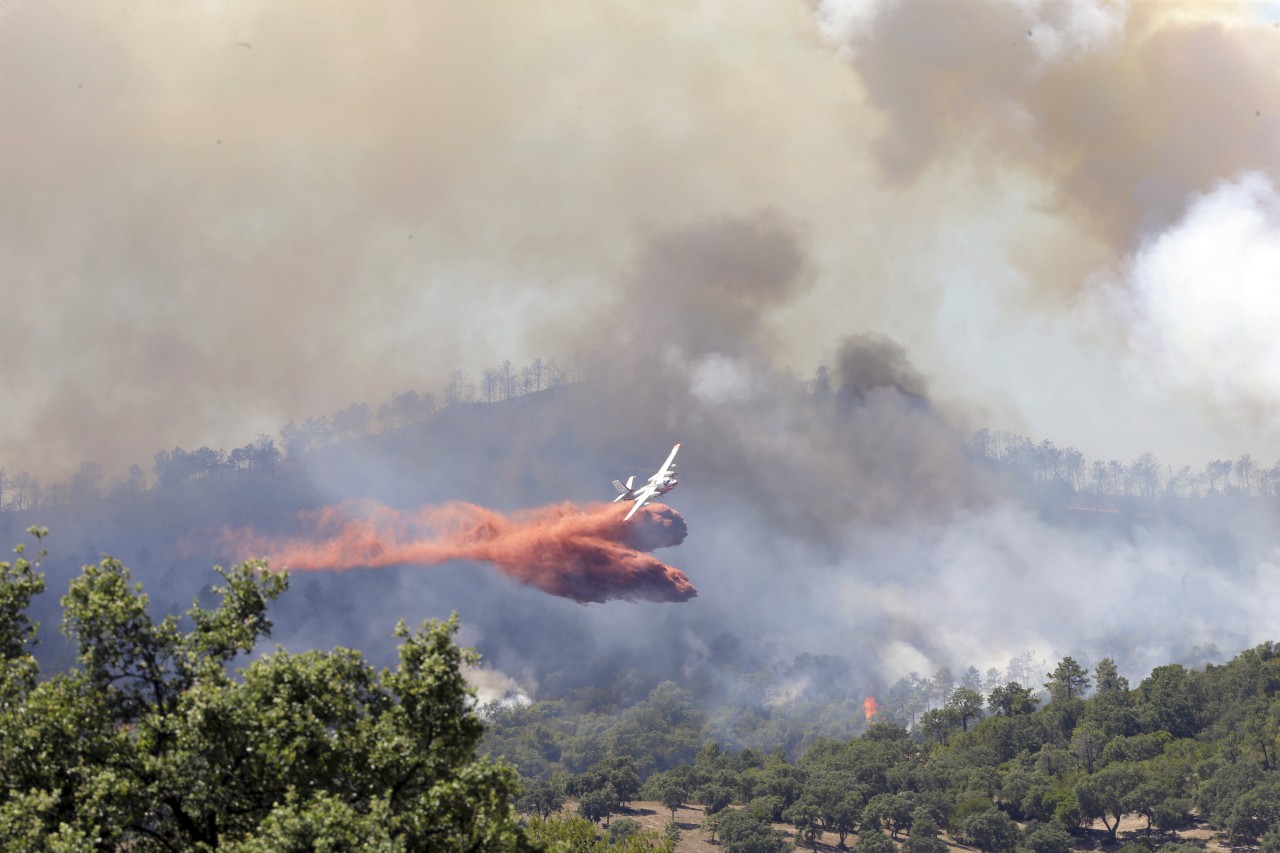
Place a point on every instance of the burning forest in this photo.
(879, 248)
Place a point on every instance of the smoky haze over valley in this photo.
(1056, 218)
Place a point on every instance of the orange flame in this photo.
(871, 707)
(585, 553)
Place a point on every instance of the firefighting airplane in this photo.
(659, 484)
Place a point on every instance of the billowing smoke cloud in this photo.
(217, 206)
(585, 553)
(212, 206)
(1200, 300)
(1109, 102)
(1094, 126)
(708, 287)
(224, 216)
(866, 362)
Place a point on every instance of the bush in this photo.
(743, 831)
(991, 832)
(1049, 837)
(874, 841)
(624, 827)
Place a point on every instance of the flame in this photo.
(871, 707)
(585, 553)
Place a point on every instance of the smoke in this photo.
(1199, 299)
(1051, 216)
(584, 553)
(212, 206)
(492, 685)
(1106, 101)
(866, 362)
(1042, 144)
(708, 287)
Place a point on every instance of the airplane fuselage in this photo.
(664, 488)
(659, 484)
(657, 491)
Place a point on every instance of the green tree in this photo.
(748, 831)
(924, 835)
(1069, 680)
(991, 831)
(1065, 807)
(151, 743)
(569, 833)
(562, 832)
(1107, 678)
(541, 798)
(1255, 813)
(871, 840)
(1154, 798)
(843, 817)
(598, 804)
(941, 684)
(1172, 698)
(1087, 744)
(623, 828)
(715, 798)
(967, 704)
(889, 811)
(1105, 794)
(616, 773)
(1051, 837)
(673, 797)
(19, 584)
(803, 815)
(940, 723)
(1011, 700)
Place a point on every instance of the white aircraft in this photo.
(659, 484)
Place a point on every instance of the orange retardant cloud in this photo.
(583, 552)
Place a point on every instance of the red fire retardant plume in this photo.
(583, 552)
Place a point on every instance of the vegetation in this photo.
(172, 468)
(154, 739)
(1027, 772)
(1065, 472)
(150, 743)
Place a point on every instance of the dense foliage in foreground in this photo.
(150, 743)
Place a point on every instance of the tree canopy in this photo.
(151, 742)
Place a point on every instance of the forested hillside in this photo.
(152, 741)
(888, 544)
(1033, 461)
(1012, 768)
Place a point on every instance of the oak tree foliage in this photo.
(152, 741)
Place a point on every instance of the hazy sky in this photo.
(217, 216)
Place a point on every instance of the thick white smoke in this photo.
(987, 584)
(1202, 301)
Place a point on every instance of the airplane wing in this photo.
(642, 496)
(666, 466)
(647, 492)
